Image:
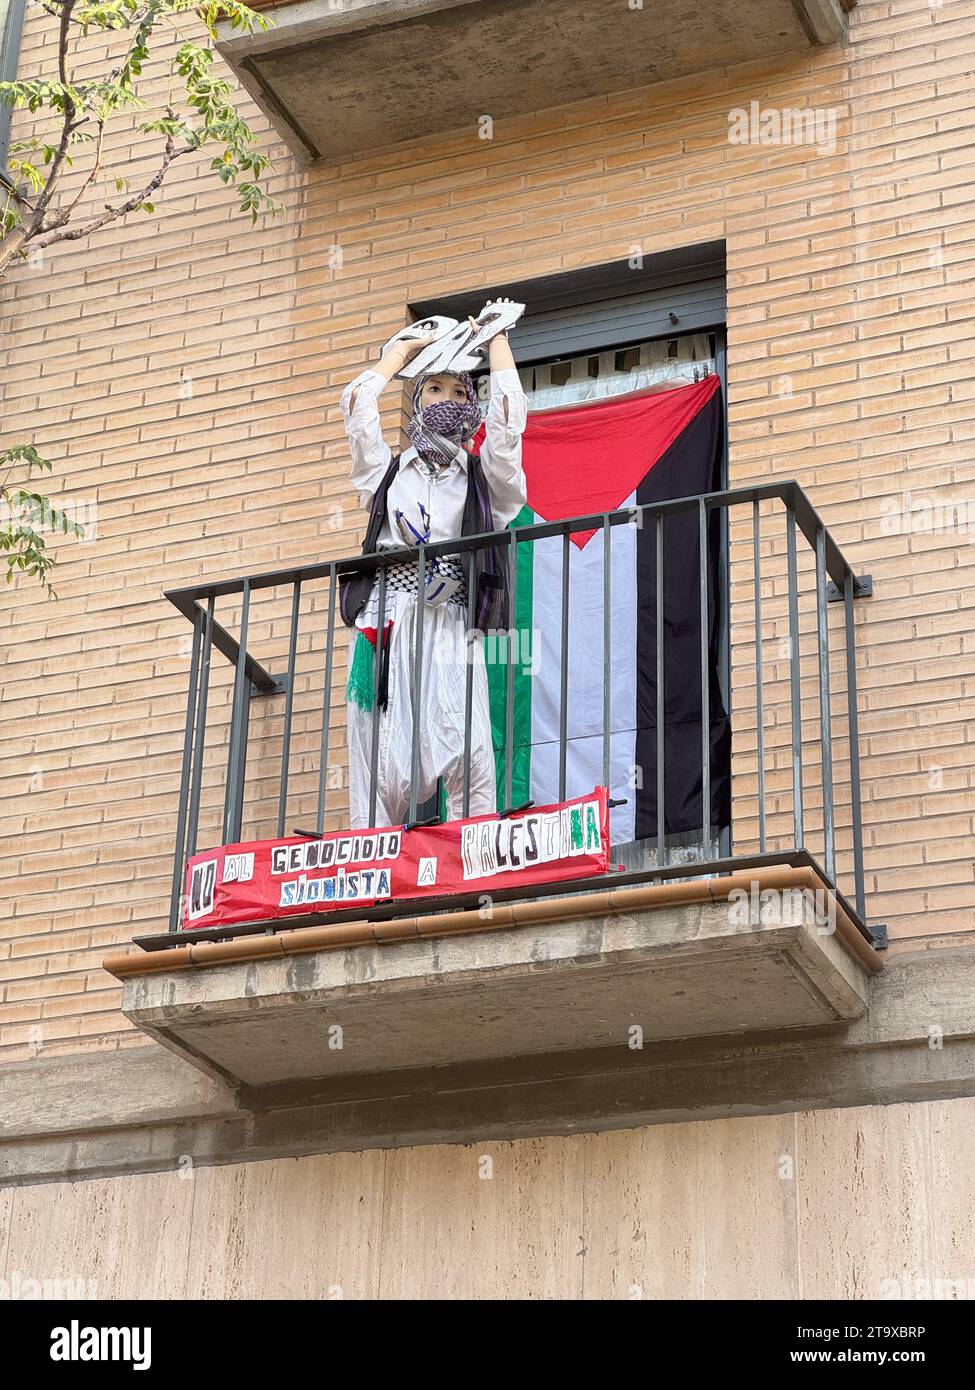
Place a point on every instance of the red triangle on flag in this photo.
(584, 459)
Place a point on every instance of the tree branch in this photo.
(43, 217)
(63, 215)
(69, 126)
(15, 194)
(60, 217)
(112, 214)
(51, 10)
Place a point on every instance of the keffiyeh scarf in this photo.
(438, 431)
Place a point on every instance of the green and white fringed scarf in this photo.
(361, 687)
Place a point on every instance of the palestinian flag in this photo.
(593, 458)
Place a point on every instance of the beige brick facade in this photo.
(185, 371)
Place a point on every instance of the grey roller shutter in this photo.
(600, 307)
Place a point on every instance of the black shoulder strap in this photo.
(476, 490)
(377, 511)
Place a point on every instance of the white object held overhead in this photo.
(456, 346)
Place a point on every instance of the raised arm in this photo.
(360, 410)
(504, 424)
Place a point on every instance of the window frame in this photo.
(10, 40)
(616, 305)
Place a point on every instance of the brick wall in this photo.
(185, 369)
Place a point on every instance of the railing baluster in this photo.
(509, 675)
(179, 855)
(233, 797)
(288, 705)
(421, 569)
(794, 683)
(822, 634)
(760, 699)
(377, 666)
(661, 708)
(564, 668)
(702, 523)
(607, 650)
(469, 684)
(250, 678)
(854, 723)
(326, 699)
(201, 729)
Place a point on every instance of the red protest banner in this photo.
(265, 880)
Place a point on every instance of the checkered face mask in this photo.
(437, 431)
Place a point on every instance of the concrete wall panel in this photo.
(6, 1214)
(110, 1237)
(886, 1199)
(702, 1210)
(824, 1205)
(294, 1228)
(498, 1221)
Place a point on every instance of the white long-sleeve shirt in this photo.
(443, 495)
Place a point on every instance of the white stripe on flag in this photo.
(584, 757)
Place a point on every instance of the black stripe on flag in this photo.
(691, 465)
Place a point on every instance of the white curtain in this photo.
(661, 363)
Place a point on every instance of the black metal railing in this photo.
(766, 556)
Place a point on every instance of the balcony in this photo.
(754, 928)
(338, 80)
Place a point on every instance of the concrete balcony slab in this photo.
(454, 989)
(338, 80)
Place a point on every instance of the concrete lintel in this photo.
(105, 1090)
(441, 1109)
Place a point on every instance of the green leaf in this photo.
(143, 32)
(24, 547)
(24, 453)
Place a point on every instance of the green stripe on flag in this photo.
(497, 672)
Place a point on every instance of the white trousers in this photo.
(441, 722)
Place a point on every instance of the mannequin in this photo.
(436, 489)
